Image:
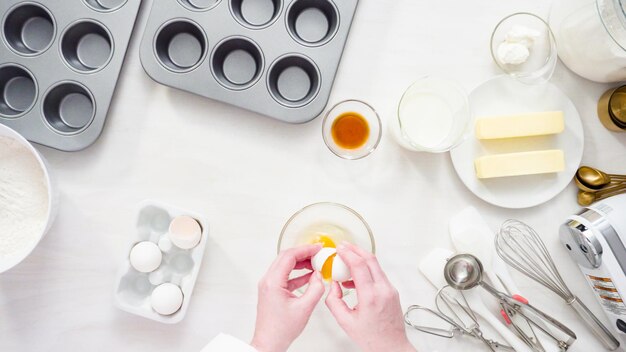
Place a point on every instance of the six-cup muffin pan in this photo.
(59, 64)
(275, 57)
(179, 267)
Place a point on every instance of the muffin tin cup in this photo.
(293, 80)
(87, 46)
(274, 57)
(178, 266)
(180, 45)
(18, 90)
(29, 29)
(199, 5)
(237, 63)
(256, 14)
(69, 107)
(68, 56)
(105, 5)
(312, 22)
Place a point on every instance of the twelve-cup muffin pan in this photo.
(59, 64)
(178, 266)
(275, 57)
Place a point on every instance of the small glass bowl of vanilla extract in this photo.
(352, 129)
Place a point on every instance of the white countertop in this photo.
(248, 174)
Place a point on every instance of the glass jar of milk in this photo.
(591, 37)
(433, 116)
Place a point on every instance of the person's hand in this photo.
(376, 324)
(281, 315)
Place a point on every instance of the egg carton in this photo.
(59, 65)
(278, 58)
(178, 266)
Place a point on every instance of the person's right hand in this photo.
(376, 324)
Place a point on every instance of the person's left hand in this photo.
(281, 315)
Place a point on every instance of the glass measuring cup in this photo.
(433, 116)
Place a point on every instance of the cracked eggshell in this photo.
(340, 271)
(318, 260)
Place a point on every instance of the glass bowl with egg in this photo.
(327, 224)
(28, 198)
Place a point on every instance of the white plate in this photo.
(505, 96)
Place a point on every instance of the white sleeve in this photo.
(226, 343)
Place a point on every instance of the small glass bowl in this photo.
(335, 220)
(434, 116)
(541, 62)
(371, 117)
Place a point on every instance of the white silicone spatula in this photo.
(432, 267)
(470, 234)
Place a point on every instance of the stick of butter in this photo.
(524, 125)
(518, 164)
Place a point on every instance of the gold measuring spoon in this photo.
(595, 179)
(583, 187)
(588, 198)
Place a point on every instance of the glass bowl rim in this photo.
(334, 204)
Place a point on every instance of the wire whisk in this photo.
(520, 246)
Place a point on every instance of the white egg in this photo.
(166, 299)
(339, 270)
(145, 257)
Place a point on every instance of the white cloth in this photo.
(226, 343)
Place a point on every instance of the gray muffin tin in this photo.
(59, 64)
(275, 57)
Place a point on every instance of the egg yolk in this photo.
(327, 268)
(325, 241)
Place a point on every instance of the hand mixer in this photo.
(455, 311)
(522, 248)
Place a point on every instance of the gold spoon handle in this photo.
(610, 190)
(600, 196)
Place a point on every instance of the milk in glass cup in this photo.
(433, 116)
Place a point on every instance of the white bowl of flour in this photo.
(27, 198)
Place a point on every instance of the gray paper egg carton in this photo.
(275, 57)
(59, 64)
